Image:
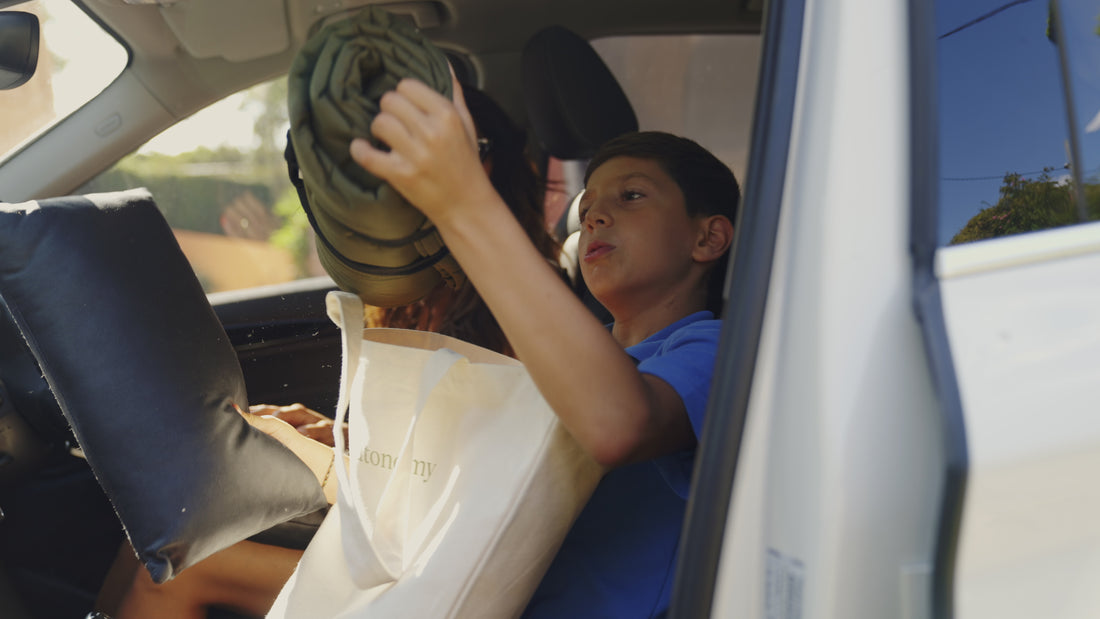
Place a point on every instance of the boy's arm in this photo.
(616, 413)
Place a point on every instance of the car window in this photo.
(221, 181)
(711, 90)
(77, 59)
(1013, 153)
(711, 85)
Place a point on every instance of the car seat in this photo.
(574, 105)
(106, 329)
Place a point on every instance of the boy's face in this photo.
(636, 237)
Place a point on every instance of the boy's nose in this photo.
(596, 216)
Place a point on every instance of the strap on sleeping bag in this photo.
(370, 269)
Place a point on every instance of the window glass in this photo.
(76, 60)
(708, 88)
(220, 179)
(1005, 150)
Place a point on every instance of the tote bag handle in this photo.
(385, 560)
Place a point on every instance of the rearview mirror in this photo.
(18, 48)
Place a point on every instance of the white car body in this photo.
(839, 503)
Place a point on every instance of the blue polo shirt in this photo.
(619, 559)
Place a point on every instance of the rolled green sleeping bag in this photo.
(369, 238)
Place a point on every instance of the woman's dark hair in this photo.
(462, 313)
(511, 171)
(708, 185)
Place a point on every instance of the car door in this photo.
(1017, 268)
(907, 424)
(821, 473)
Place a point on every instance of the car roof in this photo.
(187, 54)
(226, 44)
(479, 26)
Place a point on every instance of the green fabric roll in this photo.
(370, 239)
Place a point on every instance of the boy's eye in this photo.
(632, 195)
(583, 212)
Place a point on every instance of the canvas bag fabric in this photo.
(461, 483)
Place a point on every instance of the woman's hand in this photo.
(317, 456)
(306, 421)
(433, 159)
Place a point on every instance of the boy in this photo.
(656, 230)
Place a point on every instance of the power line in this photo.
(983, 18)
(1087, 173)
(997, 177)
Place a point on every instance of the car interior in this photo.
(572, 73)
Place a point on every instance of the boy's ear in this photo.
(715, 237)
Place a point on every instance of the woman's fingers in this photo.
(280, 422)
(315, 455)
(295, 414)
(271, 426)
(322, 432)
(263, 409)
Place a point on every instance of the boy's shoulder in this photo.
(700, 328)
(698, 324)
(693, 326)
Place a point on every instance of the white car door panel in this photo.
(1023, 317)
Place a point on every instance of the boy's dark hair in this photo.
(708, 185)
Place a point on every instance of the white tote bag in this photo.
(460, 485)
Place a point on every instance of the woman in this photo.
(247, 576)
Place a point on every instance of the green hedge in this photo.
(188, 202)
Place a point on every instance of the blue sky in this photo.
(1001, 103)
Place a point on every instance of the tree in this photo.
(295, 235)
(1028, 205)
(267, 104)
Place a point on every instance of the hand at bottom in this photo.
(317, 456)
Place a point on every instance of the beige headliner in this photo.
(188, 50)
(187, 54)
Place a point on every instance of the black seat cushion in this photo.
(143, 371)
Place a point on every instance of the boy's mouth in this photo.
(597, 249)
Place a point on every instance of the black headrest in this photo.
(574, 103)
(142, 369)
